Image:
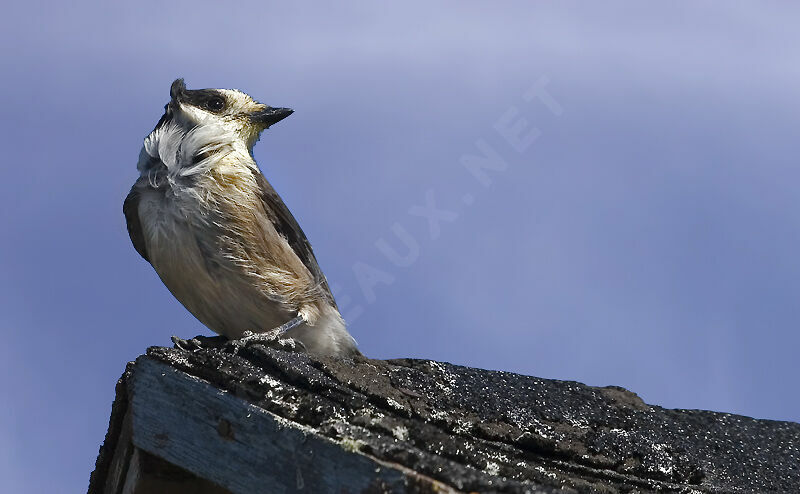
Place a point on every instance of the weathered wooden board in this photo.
(239, 446)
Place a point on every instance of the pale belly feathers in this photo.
(221, 298)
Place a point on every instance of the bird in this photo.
(218, 234)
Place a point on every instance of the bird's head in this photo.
(230, 109)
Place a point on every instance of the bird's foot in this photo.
(198, 342)
(272, 339)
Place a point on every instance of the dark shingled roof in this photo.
(446, 426)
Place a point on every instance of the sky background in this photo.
(648, 236)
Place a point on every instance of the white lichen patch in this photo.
(352, 445)
(369, 413)
(578, 423)
(463, 427)
(537, 428)
(446, 376)
(337, 415)
(274, 383)
(620, 432)
(400, 432)
(545, 472)
(395, 404)
(664, 462)
(178, 359)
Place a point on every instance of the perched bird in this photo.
(217, 233)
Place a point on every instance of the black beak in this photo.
(270, 116)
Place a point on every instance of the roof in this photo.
(241, 419)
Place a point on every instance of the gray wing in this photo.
(287, 226)
(130, 208)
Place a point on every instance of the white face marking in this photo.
(234, 118)
(196, 139)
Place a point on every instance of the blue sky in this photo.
(644, 235)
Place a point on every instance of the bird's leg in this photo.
(272, 338)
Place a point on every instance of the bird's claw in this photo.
(198, 342)
(271, 339)
(190, 345)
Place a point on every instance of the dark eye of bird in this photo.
(215, 104)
